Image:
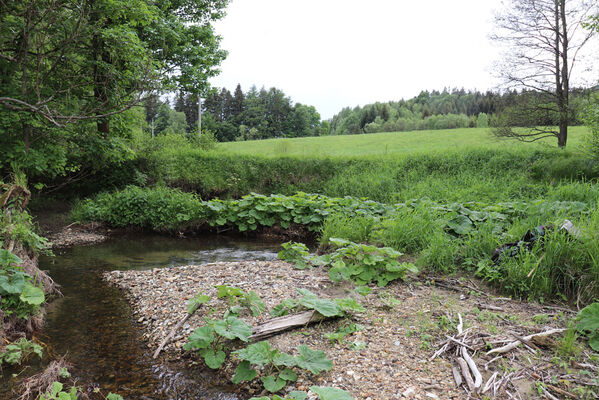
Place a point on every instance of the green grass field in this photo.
(392, 143)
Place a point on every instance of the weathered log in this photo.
(286, 322)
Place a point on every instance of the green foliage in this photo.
(236, 297)
(17, 291)
(365, 263)
(329, 393)
(342, 332)
(16, 352)
(195, 302)
(295, 253)
(266, 358)
(57, 393)
(588, 324)
(207, 339)
(339, 307)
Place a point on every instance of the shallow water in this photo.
(94, 326)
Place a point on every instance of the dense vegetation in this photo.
(447, 110)
(257, 114)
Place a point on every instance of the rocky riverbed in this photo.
(404, 324)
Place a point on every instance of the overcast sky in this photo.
(337, 53)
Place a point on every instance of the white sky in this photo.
(337, 53)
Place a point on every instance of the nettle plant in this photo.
(19, 294)
(360, 263)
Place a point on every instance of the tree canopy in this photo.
(70, 69)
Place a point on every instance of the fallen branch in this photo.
(478, 378)
(170, 336)
(466, 373)
(514, 344)
(280, 324)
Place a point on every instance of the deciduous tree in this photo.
(544, 40)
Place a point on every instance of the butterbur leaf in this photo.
(258, 353)
(363, 290)
(32, 295)
(327, 308)
(339, 242)
(297, 395)
(213, 359)
(350, 305)
(594, 342)
(460, 225)
(260, 398)
(201, 338)
(7, 258)
(233, 328)
(244, 373)
(329, 393)
(314, 361)
(284, 359)
(288, 375)
(195, 302)
(273, 384)
(112, 396)
(588, 318)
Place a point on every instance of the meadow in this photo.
(392, 143)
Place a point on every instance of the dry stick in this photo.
(456, 376)
(478, 378)
(466, 373)
(173, 331)
(490, 382)
(554, 388)
(548, 395)
(527, 343)
(513, 345)
(458, 342)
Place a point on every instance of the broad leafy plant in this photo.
(277, 366)
(588, 324)
(19, 295)
(339, 307)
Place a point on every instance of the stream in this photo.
(94, 326)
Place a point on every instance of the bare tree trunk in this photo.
(564, 104)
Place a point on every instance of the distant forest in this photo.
(448, 109)
(263, 114)
(257, 114)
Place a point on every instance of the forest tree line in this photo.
(264, 114)
(257, 114)
(449, 109)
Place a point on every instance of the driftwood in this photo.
(466, 373)
(514, 344)
(284, 323)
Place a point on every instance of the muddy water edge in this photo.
(94, 326)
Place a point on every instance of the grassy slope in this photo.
(390, 143)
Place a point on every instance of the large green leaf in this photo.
(588, 318)
(273, 384)
(326, 307)
(213, 359)
(244, 373)
(460, 225)
(329, 393)
(201, 338)
(258, 353)
(7, 258)
(314, 361)
(233, 328)
(32, 295)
